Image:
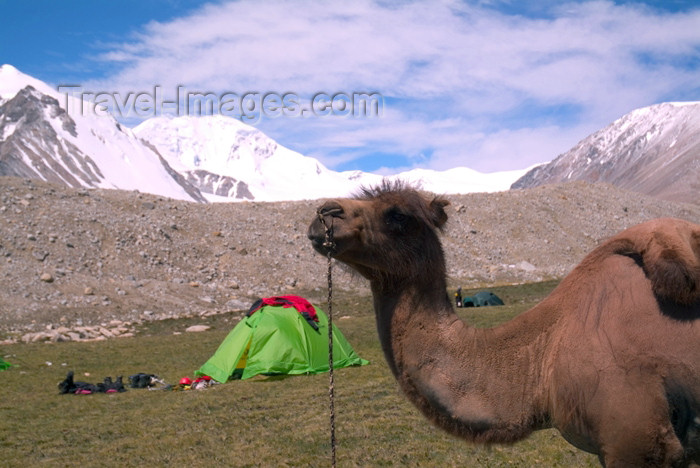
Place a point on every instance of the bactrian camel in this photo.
(611, 358)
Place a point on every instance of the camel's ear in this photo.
(437, 210)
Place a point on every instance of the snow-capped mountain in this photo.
(461, 180)
(225, 157)
(654, 150)
(40, 139)
(44, 135)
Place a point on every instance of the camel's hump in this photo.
(668, 250)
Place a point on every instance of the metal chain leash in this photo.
(330, 245)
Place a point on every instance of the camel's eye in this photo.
(396, 219)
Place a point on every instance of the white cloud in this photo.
(465, 69)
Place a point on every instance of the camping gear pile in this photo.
(200, 383)
(69, 385)
(279, 335)
(143, 380)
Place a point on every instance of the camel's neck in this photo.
(481, 384)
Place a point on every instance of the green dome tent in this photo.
(279, 339)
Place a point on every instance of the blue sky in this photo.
(490, 85)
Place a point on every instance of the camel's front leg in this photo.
(636, 431)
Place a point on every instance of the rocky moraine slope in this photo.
(77, 258)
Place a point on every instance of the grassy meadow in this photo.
(259, 422)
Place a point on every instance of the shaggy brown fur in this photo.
(611, 357)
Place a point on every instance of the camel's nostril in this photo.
(332, 212)
(331, 209)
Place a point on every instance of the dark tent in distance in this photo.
(482, 299)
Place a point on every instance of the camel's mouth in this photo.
(321, 228)
(319, 238)
(318, 242)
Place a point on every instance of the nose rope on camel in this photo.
(330, 245)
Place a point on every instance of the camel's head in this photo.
(387, 231)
